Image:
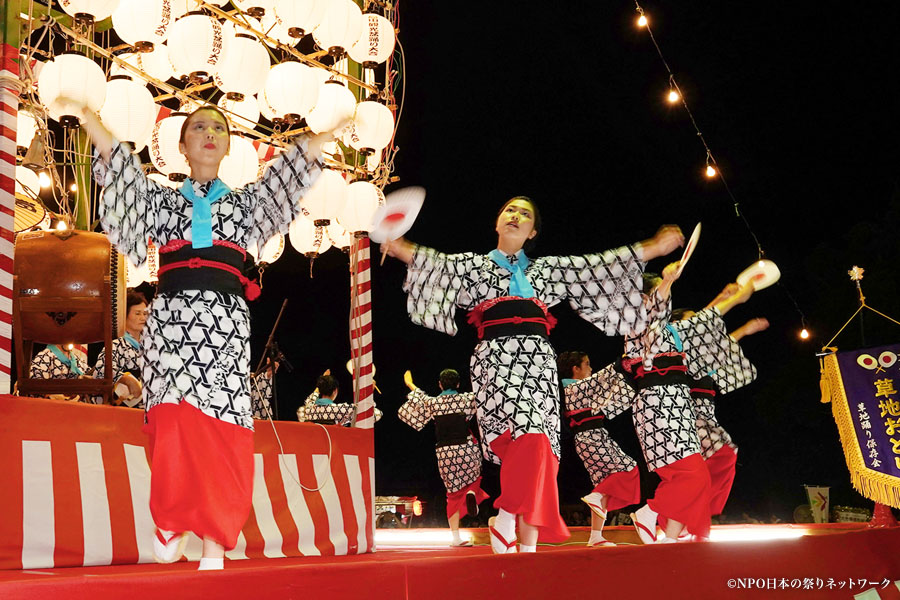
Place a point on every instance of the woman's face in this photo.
(583, 370)
(136, 318)
(515, 224)
(206, 139)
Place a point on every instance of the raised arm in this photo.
(749, 328)
(402, 249)
(741, 295)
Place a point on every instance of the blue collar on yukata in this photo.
(518, 284)
(201, 222)
(130, 339)
(66, 360)
(675, 337)
(320, 401)
(567, 382)
(448, 393)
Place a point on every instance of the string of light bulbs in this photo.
(712, 169)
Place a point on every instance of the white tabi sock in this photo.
(456, 539)
(211, 564)
(505, 524)
(524, 548)
(596, 537)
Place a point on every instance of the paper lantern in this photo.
(275, 29)
(338, 236)
(156, 63)
(272, 250)
(197, 45)
(73, 76)
(135, 276)
(97, 10)
(265, 109)
(145, 23)
(164, 152)
(244, 112)
(376, 44)
(244, 69)
(335, 106)
(291, 90)
(325, 200)
(308, 238)
(27, 182)
(301, 16)
(254, 8)
(363, 199)
(341, 26)
(129, 111)
(241, 164)
(26, 127)
(373, 127)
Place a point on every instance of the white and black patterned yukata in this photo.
(261, 394)
(195, 343)
(458, 463)
(715, 360)
(514, 377)
(126, 359)
(663, 414)
(332, 413)
(46, 365)
(600, 454)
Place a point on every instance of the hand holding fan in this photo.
(689, 248)
(762, 274)
(398, 214)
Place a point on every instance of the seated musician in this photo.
(126, 353)
(320, 406)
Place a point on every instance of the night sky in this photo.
(797, 103)
(564, 102)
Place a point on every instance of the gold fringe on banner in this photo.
(872, 484)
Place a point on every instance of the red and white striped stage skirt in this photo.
(77, 488)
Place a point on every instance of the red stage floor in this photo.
(841, 565)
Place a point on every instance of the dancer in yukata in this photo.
(514, 366)
(717, 366)
(196, 342)
(456, 443)
(320, 406)
(614, 474)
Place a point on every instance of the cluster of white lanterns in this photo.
(172, 39)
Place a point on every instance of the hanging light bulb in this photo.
(674, 95)
(73, 188)
(45, 180)
(642, 21)
(710, 169)
(804, 334)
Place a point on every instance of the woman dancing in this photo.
(456, 443)
(195, 345)
(514, 367)
(614, 474)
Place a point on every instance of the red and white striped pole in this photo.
(9, 107)
(361, 332)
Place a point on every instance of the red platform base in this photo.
(844, 564)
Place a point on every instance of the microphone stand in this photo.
(270, 355)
